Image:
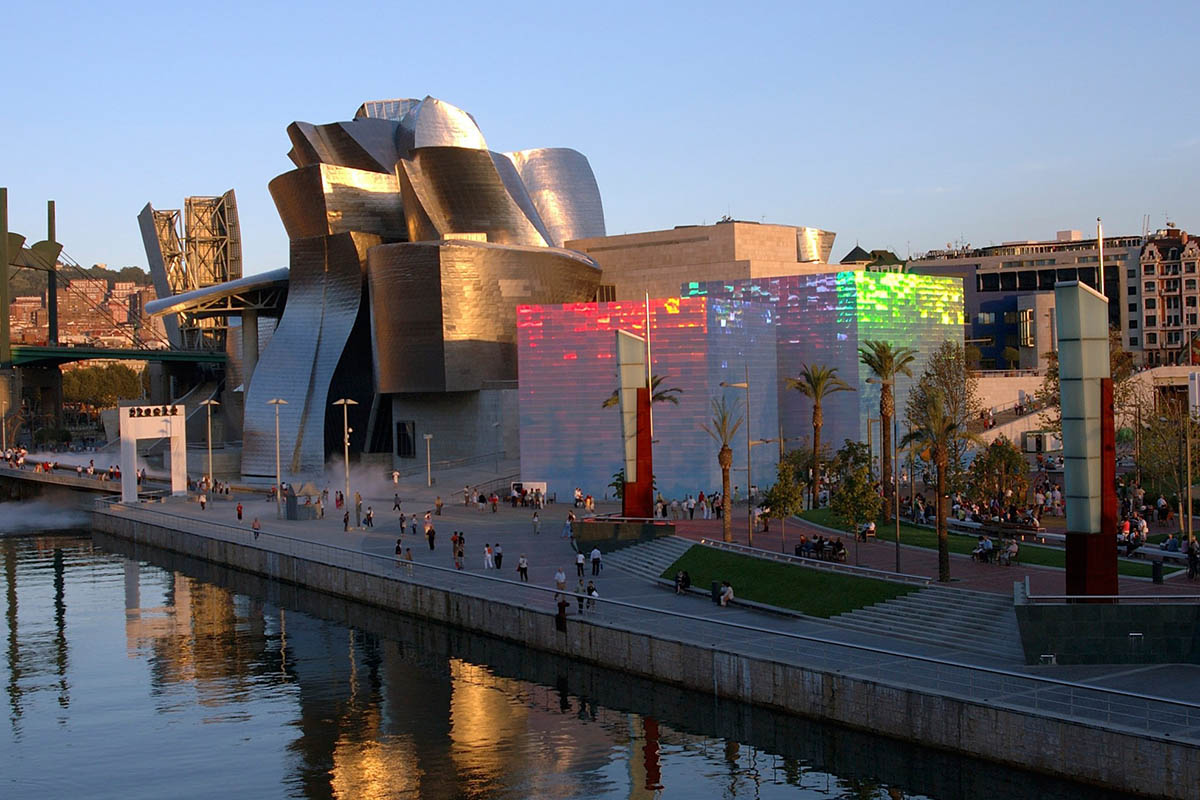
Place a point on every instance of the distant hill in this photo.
(33, 281)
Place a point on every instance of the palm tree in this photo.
(657, 395)
(886, 362)
(722, 429)
(937, 432)
(816, 381)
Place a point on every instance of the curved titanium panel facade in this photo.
(366, 144)
(444, 313)
(325, 199)
(461, 191)
(564, 191)
(298, 363)
(436, 123)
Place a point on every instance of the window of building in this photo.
(1189, 266)
(606, 293)
(1190, 302)
(1147, 269)
(1131, 273)
(1151, 320)
(1152, 338)
(1008, 282)
(989, 282)
(1027, 280)
(1132, 291)
(1191, 320)
(406, 439)
(1151, 304)
(985, 318)
(1133, 341)
(1189, 285)
(1148, 287)
(1133, 324)
(1132, 308)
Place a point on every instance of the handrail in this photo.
(831, 566)
(1116, 598)
(1031, 682)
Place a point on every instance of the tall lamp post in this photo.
(345, 403)
(745, 385)
(428, 463)
(208, 404)
(277, 402)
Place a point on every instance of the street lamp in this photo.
(277, 402)
(428, 463)
(345, 403)
(895, 476)
(209, 405)
(749, 482)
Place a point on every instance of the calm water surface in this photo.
(134, 673)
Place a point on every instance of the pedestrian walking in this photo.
(396, 502)
(523, 568)
(399, 551)
(579, 563)
(357, 510)
(346, 521)
(458, 555)
(592, 594)
(239, 511)
(537, 524)
(203, 501)
(430, 533)
(395, 476)
(466, 497)
(437, 505)
(560, 579)
(408, 558)
(595, 560)
(498, 554)
(370, 519)
(256, 526)
(488, 561)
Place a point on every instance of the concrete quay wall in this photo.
(1073, 749)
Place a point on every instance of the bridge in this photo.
(38, 355)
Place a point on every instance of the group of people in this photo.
(585, 596)
(986, 551)
(524, 498)
(708, 507)
(821, 547)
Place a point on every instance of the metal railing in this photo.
(1137, 599)
(815, 563)
(1128, 711)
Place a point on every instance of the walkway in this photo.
(644, 606)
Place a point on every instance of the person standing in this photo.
(560, 579)
(370, 517)
(203, 501)
(408, 557)
(489, 562)
(537, 524)
(399, 551)
(430, 533)
(357, 509)
(256, 526)
(239, 511)
(579, 559)
(396, 502)
(395, 477)
(523, 568)
(458, 554)
(595, 560)
(412, 524)
(580, 593)
(346, 521)
(437, 505)
(592, 594)
(498, 555)
(466, 496)
(1193, 559)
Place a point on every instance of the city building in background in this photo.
(1009, 291)
(658, 262)
(1169, 297)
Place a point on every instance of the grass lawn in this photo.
(809, 591)
(1030, 553)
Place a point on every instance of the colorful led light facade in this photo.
(825, 318)
(567, 369)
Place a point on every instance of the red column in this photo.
(637, 498)
(1091, 555)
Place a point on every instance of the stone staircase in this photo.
(935, 616)
(648, 560)
(955, 619)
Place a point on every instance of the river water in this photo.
(136, 673)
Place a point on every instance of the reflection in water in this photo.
(186, 680)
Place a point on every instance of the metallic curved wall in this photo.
(298, 363)
(366, 144)
(461, 191)
(436, 123)
(564, 191)
(325, 199)
(444, 313)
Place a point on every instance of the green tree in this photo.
(948, 376)
(617, 484)
(887, 363)
(816, 382)
(1120, 369)
(937, 430)
(1162, 458)
(722, 428)
(1012, 356)
(853, 456)
(1000, 471)
(854, 501)
(786, 497)
(101, 387)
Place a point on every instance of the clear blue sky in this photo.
(895, 124)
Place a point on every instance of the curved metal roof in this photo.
(264, 292)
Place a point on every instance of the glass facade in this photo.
(824, 318)
(567, 369)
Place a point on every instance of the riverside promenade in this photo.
(1071, 722)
